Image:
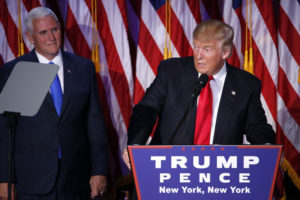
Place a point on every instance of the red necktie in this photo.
(204, 115)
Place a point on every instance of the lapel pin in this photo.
(69, 71)
(233, 92)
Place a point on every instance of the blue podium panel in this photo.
(204, 172)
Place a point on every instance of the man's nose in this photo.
(199, 53)
(51, 36)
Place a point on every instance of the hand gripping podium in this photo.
(205, 172)
(22, 95)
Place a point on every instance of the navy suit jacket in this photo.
(79, 130)
(240, 110)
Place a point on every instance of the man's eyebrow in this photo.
(43, 31)
(208, 46)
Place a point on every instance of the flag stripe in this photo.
(116, 71)
(180, 41)
(14, 13)
(149, 48)
(291, 9)
(119, 36)
(232, 19)
(289, 96)
(265, 56)
(289, 65)
(290, 152)
(268, 90)
(5, 50)
(122, 9)
(31, 5)
(289, 129)
(154, 25)
(182, 26)
(268, 17)
(145, 81)
(195, 8)
(9, 28)
(78, 43)
(290, 37)
(139, 90)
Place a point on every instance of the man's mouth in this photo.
(52, 44)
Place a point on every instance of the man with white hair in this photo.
(61, 152)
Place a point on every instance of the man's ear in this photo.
(226, 53)
(30, 38)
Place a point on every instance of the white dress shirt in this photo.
(216, 85)
(58, 61)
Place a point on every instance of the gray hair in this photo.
(37, 13)
(215, 30)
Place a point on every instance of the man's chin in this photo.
(201, 70)
(50, 54)
(53, 51)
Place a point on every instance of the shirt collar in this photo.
(221, 75)
(56, 60)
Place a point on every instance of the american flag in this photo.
(129, 38)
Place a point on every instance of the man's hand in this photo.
(126, 158)
(98, 185)
(4, 191)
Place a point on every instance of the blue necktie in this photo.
(56, 93)
(57, 98)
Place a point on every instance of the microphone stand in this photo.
(11, 123)
(186, 113)
(20, 82)
(201, 82)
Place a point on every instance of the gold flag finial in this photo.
(20, 36)
(167, 50)
(248, 58)
(246, 41)
(95, 49)
(299, 75)
(250, 67)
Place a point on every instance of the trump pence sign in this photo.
(204, 172)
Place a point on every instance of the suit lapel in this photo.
(227, 104)
(188, 81)
(68, 75)
(31, 56)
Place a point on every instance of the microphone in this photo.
(201, 82)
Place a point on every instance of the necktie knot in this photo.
(210, 78)
(51, 62)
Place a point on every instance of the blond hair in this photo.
(215, 30)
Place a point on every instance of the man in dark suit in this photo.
(236, 106)
(60, 153)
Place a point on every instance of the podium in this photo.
(205, 172)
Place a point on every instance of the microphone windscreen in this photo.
(201, 82)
